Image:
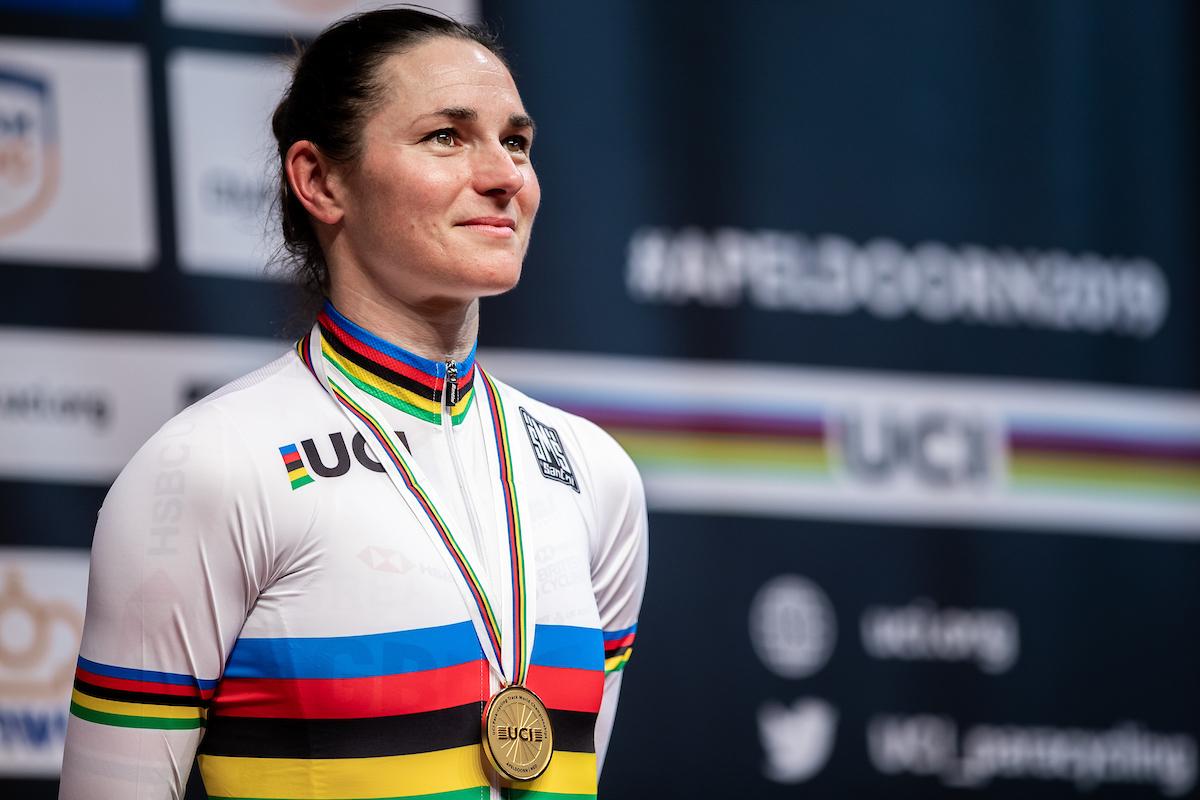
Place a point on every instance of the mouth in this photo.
(498, 227)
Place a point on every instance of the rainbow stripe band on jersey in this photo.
(312, 718)
(135, 698)
(404, 381)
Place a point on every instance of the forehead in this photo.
(448, 72)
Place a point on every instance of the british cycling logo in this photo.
(29, 152)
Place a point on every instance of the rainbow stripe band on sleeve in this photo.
(618, 645)
(135, 698)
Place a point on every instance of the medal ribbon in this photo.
(512, 515)
(403, 475)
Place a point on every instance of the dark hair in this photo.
(335, 87)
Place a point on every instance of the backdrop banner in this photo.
(893, 306)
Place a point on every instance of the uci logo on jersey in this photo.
(300, 469)
(548, 448)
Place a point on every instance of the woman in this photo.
(369, 569)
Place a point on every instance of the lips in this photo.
(492, 227)
(494, 222)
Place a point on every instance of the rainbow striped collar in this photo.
(401, 379)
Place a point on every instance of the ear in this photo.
(311, 179)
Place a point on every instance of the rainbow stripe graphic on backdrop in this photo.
(1099, 457)
(137, 698)
(296, 471)
(1117, 458)
(660, 436)
(390, 715)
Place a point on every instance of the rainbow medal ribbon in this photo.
(517, 736)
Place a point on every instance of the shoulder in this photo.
(602, 464)
(226, 439)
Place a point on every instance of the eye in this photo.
(446, 137)
(516, 144)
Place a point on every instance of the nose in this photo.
(495, 172)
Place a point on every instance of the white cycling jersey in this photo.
(263, 596)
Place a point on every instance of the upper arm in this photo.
(619, 552)
(179, 556)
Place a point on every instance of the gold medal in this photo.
(517, 736)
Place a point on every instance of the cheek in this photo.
(409, 195)
(530, 196)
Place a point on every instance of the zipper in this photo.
(450, 398)
(450, 390)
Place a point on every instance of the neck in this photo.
(433, 330)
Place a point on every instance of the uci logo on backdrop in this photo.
(29, 157)
(920, 446)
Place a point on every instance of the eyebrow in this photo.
(464, 114)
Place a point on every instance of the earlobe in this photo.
(311, 180)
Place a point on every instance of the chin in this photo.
(495, 278)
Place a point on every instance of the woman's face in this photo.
(439, 206)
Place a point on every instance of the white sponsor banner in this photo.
(290, 16)
(74, 406)
(223, 159)
(42, 596)
(785, 441)
(75, 177)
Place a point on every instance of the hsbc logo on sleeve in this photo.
(549, 451)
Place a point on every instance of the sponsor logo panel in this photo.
(290, 16)
(74, 406)
(42, 597)
(75, 177)
(887, 447)
(220, 106)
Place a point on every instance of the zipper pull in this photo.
(450, 392)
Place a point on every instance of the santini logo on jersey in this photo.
(298, 467)
(548, 448)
